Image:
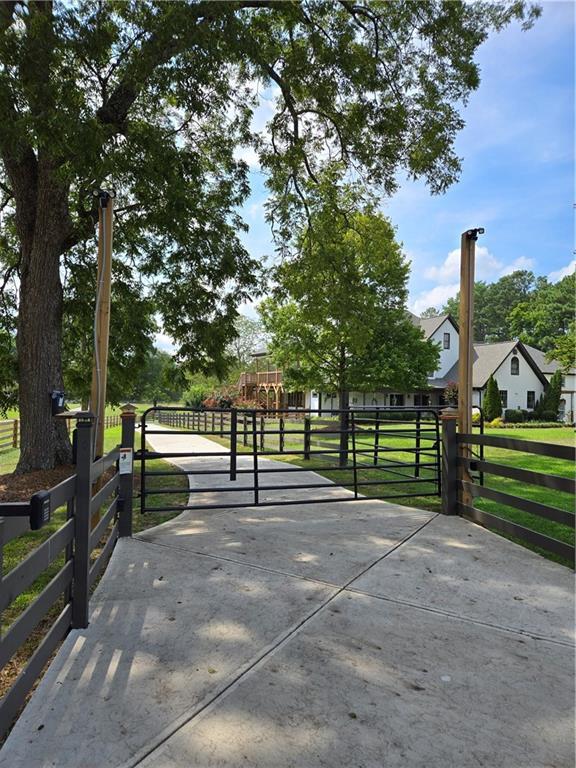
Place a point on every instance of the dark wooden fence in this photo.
(10, 430)
(8, 434)
(98, 502)
(460, 493)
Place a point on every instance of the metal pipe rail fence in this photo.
(97, 511)
(389, 453)
(458, 463)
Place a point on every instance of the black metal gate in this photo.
(374, 452)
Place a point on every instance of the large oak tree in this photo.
(153, 99)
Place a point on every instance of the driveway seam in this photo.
(184, 719)
(347, 588)
(466, 619)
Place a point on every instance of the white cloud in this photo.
(164, 342)
(522, 262)
(563, 272)
(249, 155)
(435, 297)
(488, 267)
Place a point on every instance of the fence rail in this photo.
(76, 542)
(461, 493)
(10, 430)
(9, 434)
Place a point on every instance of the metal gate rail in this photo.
(391, 447)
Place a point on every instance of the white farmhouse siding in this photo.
(448, 357)
(568, 394)
(518, 386)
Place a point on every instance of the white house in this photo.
(521, 372)
(520, 380)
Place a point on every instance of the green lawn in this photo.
(395, 480)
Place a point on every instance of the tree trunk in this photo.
(44, 440)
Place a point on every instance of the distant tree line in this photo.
(526, 307)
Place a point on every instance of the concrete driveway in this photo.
(360, 634)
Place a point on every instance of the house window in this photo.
(446, 341)
(422, 399)
(374, 401)
(515, 366)
(504, 398)
(396, 399)
(530, 399)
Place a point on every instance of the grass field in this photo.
(391, 481)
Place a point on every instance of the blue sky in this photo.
(517, 178)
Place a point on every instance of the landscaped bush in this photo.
(475, 417)
(195, 396)
(549, 416)
(515, 416)
(497, 422)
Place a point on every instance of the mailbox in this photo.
(40, 510)
(58, 401)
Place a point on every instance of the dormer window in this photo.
(515, 366)
(446, 341)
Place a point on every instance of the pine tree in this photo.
(551, 399)
(492, 405)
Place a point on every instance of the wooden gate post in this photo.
(466, 339)
(81, 589)
(127, 480)
(449, 462)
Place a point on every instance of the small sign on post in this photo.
(125, 461)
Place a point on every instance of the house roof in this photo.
(431, 324)
(539, 358)
(489, 357)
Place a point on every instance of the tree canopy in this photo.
(337, 319)
(545, 316)
(155, 100)
(564, 349)
(493, 303)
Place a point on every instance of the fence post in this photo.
(262, 430)
(15, 434)
(233, 442)
(245, 425)
(376, 438)
(449, 462)
(281, 435)
(80, 591)
(417, 462)
(127, 480)
(306, 437)
(354, 462)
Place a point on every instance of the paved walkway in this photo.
(362, 635)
